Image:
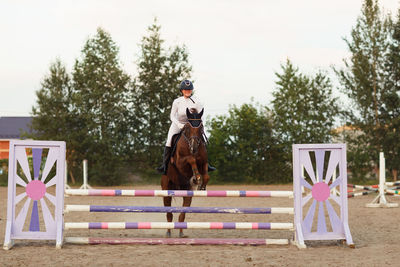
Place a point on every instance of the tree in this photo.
(52, 116)
(100, 97)
(155, 87)
(365, 78)
(53, 104)
(390, 110)
(304, 108)
(243, 147)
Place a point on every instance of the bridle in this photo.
(194, 141)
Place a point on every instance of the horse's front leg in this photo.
(195, 170)
(186, 203)
(167, 203)
(205, 175)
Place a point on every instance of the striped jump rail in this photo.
(392, 183)
(180, 225)
(393, 188)
(177, 193)
(95, 208)
(394, 192)
(358, 191)
(363, 187)
(175, 241)
(362, 193)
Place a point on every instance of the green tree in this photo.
(53, 117)
(51, 112)
(304, 108)
(390, 110)
(100, 96)
(244, 149)
(155, 87)
(365, 79)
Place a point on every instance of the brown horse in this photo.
(188, 167)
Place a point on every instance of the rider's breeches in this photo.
(173, 129)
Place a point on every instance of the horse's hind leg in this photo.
(167, 203)
(186, 203)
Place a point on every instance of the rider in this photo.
(179, 119)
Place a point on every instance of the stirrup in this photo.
(160, 169)
(211, 168)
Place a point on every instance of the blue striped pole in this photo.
(94, 208)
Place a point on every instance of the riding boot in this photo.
(167, 154)
(211, 168)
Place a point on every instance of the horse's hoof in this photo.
(182, 235)
(168, 235)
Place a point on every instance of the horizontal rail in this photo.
(392, 183)
(393, 188)
(393, 192)
(363, 187)
(361, 193)
(175, 241)
(94, 208)
(176, 193)
(179, 225)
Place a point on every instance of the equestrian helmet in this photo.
(186, 85)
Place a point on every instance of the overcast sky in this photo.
(235, 46)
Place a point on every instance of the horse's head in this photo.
(194, 118)
(193, 131)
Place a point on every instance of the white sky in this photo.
(235, 46)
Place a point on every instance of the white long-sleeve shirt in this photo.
(178, 110)
(178, 114)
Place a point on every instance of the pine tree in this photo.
(304, 108)
(53, 117)
(101, 96)
(364, 78)
(390, 110)
(155, 87)
(53, 104)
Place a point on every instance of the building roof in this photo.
(346, 128)
(12, 127)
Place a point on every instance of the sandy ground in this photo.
(374, 232)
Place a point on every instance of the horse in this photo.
(188, 166)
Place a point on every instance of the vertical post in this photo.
(380, 200)
(382, 174)
(302, 175)
(59, 213)
(66, 176)
(8, 241)
(343, 189)
(85, 184)
(297, 194)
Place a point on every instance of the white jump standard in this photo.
(380, 200)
